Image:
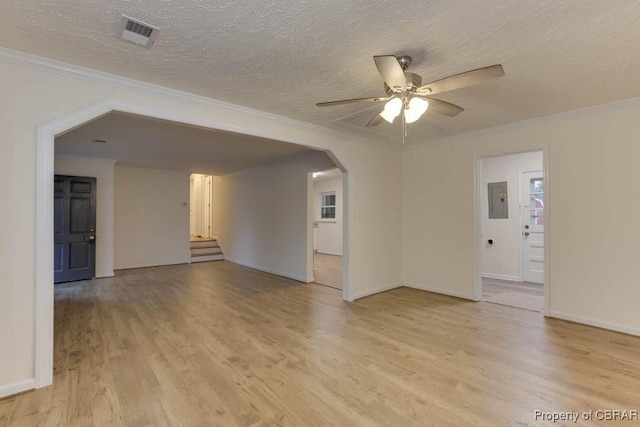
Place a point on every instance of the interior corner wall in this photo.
(329, 231)
(262, 219)
(592, 174)
(102, 170)
(151, 217)
(501, 260)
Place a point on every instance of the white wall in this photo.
(263, 219)
(593, 265)
(502, 259)
(102, 170)
(329, 231)
(37, 92)
(151, 217)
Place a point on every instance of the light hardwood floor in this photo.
(526, 295)
(219, 344)
(327, 270)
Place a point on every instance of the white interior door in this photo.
(198, 205)
(532, 214)
(207, 206)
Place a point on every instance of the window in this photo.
(328, 209)
(536, 203)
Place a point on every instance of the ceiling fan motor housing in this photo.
(414, 81)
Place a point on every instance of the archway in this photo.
(46, 135)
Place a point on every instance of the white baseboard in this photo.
(440, 291)
(105, 274)
(329, 253)
(147, 265)
(19, 387)
(595, 322)
(375, 291)
(270, 271)
(501, 277)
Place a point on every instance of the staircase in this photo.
(206, 250)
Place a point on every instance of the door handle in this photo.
(526, 227)
(92, 240)
(526, 233)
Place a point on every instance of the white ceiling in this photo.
(283, 57)
(327, 175)
(158, 144)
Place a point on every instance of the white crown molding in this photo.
(581, 112)
(15, 57)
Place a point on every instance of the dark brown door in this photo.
(74, 228)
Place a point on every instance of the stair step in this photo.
(206, 251)
(205, 248)
(204, 244)
(203, 258)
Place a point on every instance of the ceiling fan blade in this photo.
(391, 72)
(443, 107)
(375, 120)
(352, 101)
(461, 80)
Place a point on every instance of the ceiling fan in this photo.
(407, 94)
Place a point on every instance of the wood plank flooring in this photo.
(216, 344)
(327, 270)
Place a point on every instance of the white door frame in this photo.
(45, 145)
(207, 206)
(477, 227)
(200, 201)
(192, 212)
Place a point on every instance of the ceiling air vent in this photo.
(137, 32)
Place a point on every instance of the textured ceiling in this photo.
(284, 56)
(143, 142)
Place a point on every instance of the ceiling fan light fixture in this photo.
(415, 109)
(392, 109)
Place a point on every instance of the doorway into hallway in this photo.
(511, 218)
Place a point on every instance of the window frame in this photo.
(323, 196)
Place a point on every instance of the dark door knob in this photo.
(490, 241)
